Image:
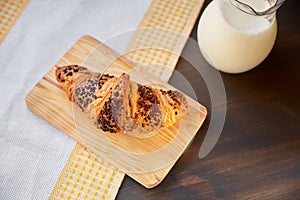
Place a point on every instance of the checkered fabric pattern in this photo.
(10, 10)
(156, 46)
(85, 176)
(166, 27)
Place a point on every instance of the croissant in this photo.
(117, 104)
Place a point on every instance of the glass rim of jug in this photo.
(274, 5)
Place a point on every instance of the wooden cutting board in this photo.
(50, 102)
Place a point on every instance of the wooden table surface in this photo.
(258, 153)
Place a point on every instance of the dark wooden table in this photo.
(258, 153)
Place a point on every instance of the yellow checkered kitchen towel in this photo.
(85, 176)
(162, 34)
(10, 10)
(165, 26)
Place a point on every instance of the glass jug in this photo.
(235, 36)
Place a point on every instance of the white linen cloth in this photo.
(33, 152)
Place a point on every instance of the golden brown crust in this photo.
(66, 75)
(175, 105)
(112, 115)
(146, 107)
(115, 104)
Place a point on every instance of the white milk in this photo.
(233, 41)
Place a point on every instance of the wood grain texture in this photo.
(49, 101)
(258, 153)
(163, 31)
(55, 104)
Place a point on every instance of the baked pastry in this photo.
(116, 104)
